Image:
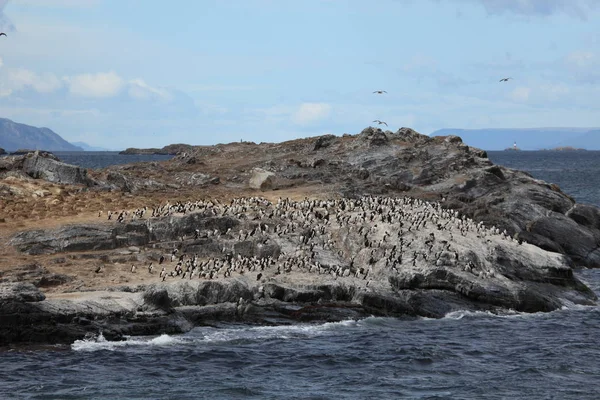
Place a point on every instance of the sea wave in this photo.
(203, 335)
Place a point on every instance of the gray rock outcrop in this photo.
(252, 260)
(39, 167)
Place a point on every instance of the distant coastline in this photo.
(565, 148)
(170, 150)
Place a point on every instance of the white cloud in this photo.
(580, 58)
(520, 93)
(309, 113)
(60, 3)
(584, 65)
(138, 89)
(22, 78)
(575, 8)
(103, 84)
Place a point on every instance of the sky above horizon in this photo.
(133, 73)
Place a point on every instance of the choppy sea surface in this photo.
(102, 159)
(465, 355)
(577, 173)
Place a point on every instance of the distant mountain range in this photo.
(527, 139)
(87, 147)
(15, 136)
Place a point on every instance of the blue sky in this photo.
(123, 73)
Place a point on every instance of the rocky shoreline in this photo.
(256, 261)
(392, 224)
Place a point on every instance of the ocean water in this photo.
(577, 173)
(465, 355)
(102, 159)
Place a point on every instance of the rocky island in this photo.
(324, 228)
(170, 150)
(565, 148)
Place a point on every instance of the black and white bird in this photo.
(505, 79)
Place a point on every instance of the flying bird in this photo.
(2, 33)
(380, 91)
(504, 79)
(380, 122)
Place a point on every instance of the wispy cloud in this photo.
(103, 84)
(520, 94)
(139, 89)
(309, 113)
(5, 22)
(21, 78)
(584, 65)
(59, 3)
(575, 8)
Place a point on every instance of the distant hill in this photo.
(527, 139)
(87, 147)
(589, 141)
(14, 135)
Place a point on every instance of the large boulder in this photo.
(39, 166)
(262, 180)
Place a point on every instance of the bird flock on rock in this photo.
(361, 239)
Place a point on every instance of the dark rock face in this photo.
(19, 293)
(323, 142)
(586, 215)
(577, 241)
(2, 151)
(39, 167)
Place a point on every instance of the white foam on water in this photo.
(216, 335)
(274, 332)
(100, 343)
(457, 315)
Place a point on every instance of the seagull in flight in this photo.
(380, 122)
(380, 91)
(2, 33)
(504, 79)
